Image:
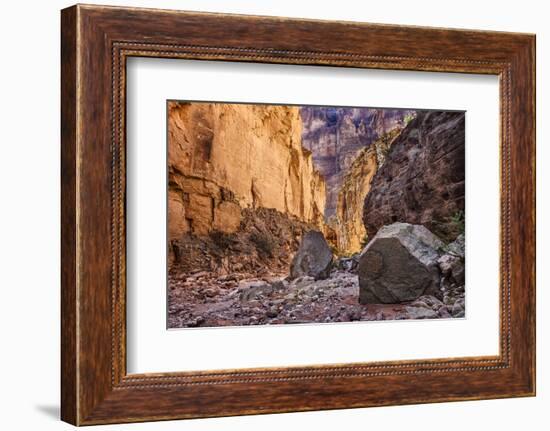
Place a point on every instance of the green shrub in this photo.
(408, 118)
(458, 221)
(265, 243)
(364, 241)
(221, 239)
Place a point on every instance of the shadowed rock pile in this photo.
(264, 245)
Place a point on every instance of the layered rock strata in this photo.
(224, 158)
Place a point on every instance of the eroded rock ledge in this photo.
(224, 158)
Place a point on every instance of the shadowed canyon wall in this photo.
(223, 158)
(422, 180)
(335, 135)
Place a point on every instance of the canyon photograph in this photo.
(288, 214)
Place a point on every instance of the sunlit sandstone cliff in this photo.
(223, 158)
(350, 231)
(348, 224)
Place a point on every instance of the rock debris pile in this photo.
(378, 276)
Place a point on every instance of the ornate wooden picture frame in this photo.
(96, 41)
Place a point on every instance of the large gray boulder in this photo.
(399, 264)
(313, 258)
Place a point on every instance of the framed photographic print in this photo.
(265, 215)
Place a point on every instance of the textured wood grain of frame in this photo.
(96, 41)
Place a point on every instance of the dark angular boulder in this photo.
(399, 264)
(313, 258)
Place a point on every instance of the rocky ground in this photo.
(257, 250)
(405, 272)
(201, 299)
